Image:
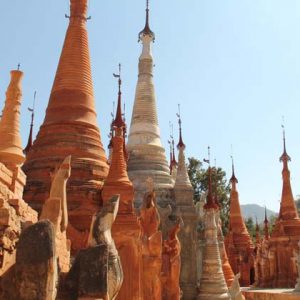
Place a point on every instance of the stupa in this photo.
(279, 250)
(147, 156)
(184, 194)
(126, 229)
(238, 243)
(212, 282)
(70, 128)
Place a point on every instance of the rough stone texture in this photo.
(97, 272)
(146, 154)
(212, 283)
(151, 248)
(70, 128)
(276, 255)
(126, 230)
(11, 152)
(15, 214)
(36, 270)
(55, 210)
(171, 264)
(297, 287)
(238, 243)
(184, 195)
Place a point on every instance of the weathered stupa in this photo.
(146, 154)
(276, 262)
(11, 145)
(239, 246)
(184, 195)
(70, 128)
(126, 230)
(212, 282)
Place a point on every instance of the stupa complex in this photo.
(76, 225)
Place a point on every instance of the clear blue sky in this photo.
(233, 65)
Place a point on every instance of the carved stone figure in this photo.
(55, 210)
(171, 264)
(235, 289)
(151, 246)
(97, 272)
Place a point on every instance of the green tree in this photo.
(199, 180)
(250, 226)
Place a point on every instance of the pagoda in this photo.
(70, 128)
(212, 283)
(278, 256)
(184, 194)
(238, 243)
(147, 156)
(126, 230)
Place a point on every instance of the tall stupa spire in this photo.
(70, 128)
(288, 208)
(147, 156)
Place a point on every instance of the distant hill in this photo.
(254, 210)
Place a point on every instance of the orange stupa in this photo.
(238, 243)
(70, 128)
(11, 153)
(126, 229)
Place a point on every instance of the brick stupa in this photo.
(70, 128)
(147, 156)
(126, 229)
(279, 250)
(10, 140)
(238, 243)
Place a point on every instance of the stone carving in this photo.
(235, 289)
(36, 269)
(151, 245)
(55, 210)
(97, 272)
(171, 264)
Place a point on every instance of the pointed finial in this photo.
(210, 203)
(216, 184)
(233, 179)
(118, 121)
(284, 157)
(180, 143)
(147, 30)
(19, 65)
(29, 143)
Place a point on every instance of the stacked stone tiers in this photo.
(147, 156)
(70, 128)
